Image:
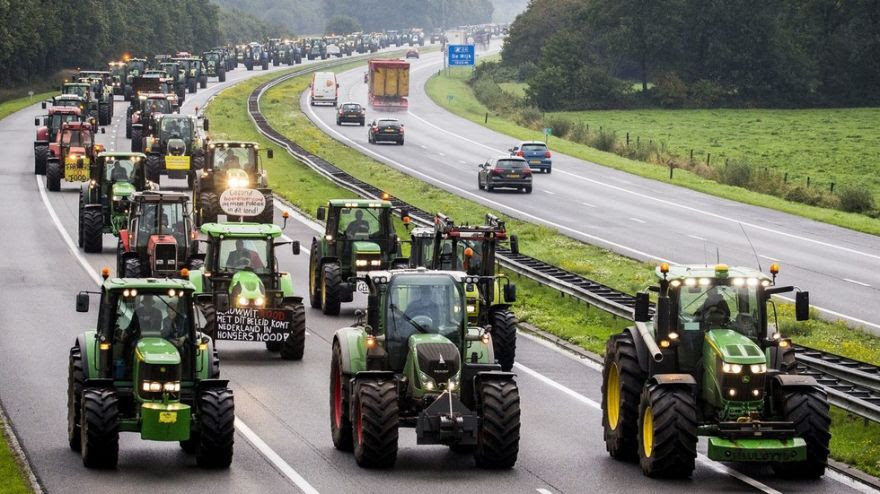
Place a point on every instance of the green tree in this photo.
(342, 24)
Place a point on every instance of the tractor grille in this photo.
(439, 360)
(166, 257)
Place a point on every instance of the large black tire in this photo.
(99, 428)
(203, 81)
(331, 283)
(132, 268)
(104, 113)
(667, 431)
(504, 324)
(41, 154)
(137, 142)
(93, 230)
(808, 410)
(79, 228)
(498, 435)
(217, 434)
(221, 76)
(53, 175)
(153, 167)
(268, 214)
(622, 383)
(294, 347)
(191, 85)
(127, 93)
(375, 424)
(128, 127)
(75, 379)
(209, 202)
(266, 65)
(210, 315)
(340, 422)
(314, 277)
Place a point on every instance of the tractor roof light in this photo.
(664, 267)
(705, 282)
(738, 282)
(675, 283)
(105, 272)
(774, 269)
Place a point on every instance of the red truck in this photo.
(389, 84)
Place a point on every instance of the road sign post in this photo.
(460, 55)
(547, 133)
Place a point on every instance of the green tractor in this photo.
(173, 147)
(105, 202)
(243, 294)
(147, 369)
(232, 166)
(215, 64)
(194, 73)
(85, 91)
(133, 68)
(709, 364)
(471, 248)
(102, 88)
(414, 361)
(359, 237)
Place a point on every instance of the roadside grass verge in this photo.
(9, 107)
(850, 166)
(12, 477)
(543, 307)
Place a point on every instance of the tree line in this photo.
(582, 54)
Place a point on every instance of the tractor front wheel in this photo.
(331, 283)
(100, 428)
(104, 116)
(92, 230)
(504, 338)
(667, 431)
(808, 410)
(192, 85)
(53, 175)
(268, 213)
(41, 154)
(203, 81)
(622, 382)
(137, 143)
(314, 274)
(340, 422)
(221, 76)
(75, 379)
(498, 435)
(295, 344)
(209, 205)
(217, 434)
(375, 427)
(132, 268)
(153, 167)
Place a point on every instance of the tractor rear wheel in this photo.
(498, 435)
(41, 154)
(203, 81)
(127, 93)
(75, 379)
(217, 434)
(210, 315)
(268, 213)
(504, 338)
(375, 427)
(340, 422)
(314, 276)
(132, 268)
(191, 85)
(53, 175)
(221, 76)
(137, 143)
(104, 113)
(92, 230)
(100, 428)
(808, 410)
(667, 431)
(295, 344)
(209, 204)
(79, 228)
(128, 127)
(622, 382)
(154, 167)
(331, 283)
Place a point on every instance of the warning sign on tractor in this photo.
(254, 325)
(242, 202)
(177, 162)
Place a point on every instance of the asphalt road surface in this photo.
(282, 442)
(633, 216)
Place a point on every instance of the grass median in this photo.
(12, 476)
(9, 107)
(565, 317)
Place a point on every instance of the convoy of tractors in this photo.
(433, 344)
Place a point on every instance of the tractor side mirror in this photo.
(802, 306)
(82, 302)
(270, 154)
(103, 130)
(295, 247)
(205, 124)
(43, 105)
(221, 302)
(37, 121)
(510, 292)
(514, 244)
(642, 312)
(322, 213)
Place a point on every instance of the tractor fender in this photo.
(794, 381)
(353, 349)
(672, 380)
(496, 375)
(204, 365)
(40, 142)
(125, 239)
(211, 384)
(197, 278)
(103, 383)
(88, 346)
(641, 348)
(294, 300)
(91, 206)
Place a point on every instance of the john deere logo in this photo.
(746, 379)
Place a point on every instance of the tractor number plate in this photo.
(362, 287)
(177, 162)
(167, 417)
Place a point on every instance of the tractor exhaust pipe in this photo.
(648, 338)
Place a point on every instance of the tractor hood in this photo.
(734, 348)
(157, 351)
(361, 247)
(248, 285)
(122, 190)
(435, 357)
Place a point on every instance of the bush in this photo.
(560, 126)
(604, 141)
(703, 94)
(735, 173)
(525, 70)
(804, 195)
(669, 90)
(530, 117)
(579, 133)
(489, 93)
(855, 199)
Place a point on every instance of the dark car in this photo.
(506, 171)
(536, 153)
(385, 129)
(351, 113)
(412, 53)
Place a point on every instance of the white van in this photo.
(324, 89)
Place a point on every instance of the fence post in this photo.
(671, 168)
(627, 139)
(808, 182)
(785, 178)
(832, 188)
(708, 158)
(487, 118)
(692, 154)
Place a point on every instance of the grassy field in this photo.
(9, 107)
(12, 479)
(464, 104)
(538, 305)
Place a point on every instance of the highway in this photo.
(282, 442)
(633, 216)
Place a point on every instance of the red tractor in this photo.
(71, 154)
(47, 131)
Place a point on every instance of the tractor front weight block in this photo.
(757, 450)
(447, 421)
(165, 422)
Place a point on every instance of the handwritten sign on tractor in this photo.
(254, 325)
(242, 202)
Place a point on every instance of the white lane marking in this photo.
(850, 482)
(549, 192)
(463, 162)
(441, 154)
(697, 237)
(273, 457)
(857, 282)
(251, 436)
(543, 491)
(480, 198)
(423, 146)
(587, 204)
(704, 460)
(637, 220)
(769, 258)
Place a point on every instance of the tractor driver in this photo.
(231, 160)
(148, 315)
(359, 225)
(118, 173)
(243, 257)
(423, 304)
(714, 312)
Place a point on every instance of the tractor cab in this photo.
(159, 239)
(142, 119)
(69, 100)
(415, 351)
(214, 62)
(81, 89)
(146, 369)
(134, 67)
(117, 74)
(231, 165)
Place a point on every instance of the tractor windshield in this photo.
(119, 170)
(428, 304)
(170, 219)
(76, 138)
(362, 223)
(244, 253)
(244, 158)
(212, 57)
(703, 307)
(176, 127)
(157, 315)
(158, 105)
(59, 119)
(81, 90)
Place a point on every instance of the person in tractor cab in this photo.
(149, 316)
(172, 128)
(473, 258)
(714, 312)
(119, 173)
(231, 160)
(243, 257)
(359, 225)
(423, 306)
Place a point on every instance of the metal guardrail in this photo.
(851, 385)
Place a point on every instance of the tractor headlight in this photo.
(758, 368)
(237, 182)
(172, 387)
(117, 198)
(259, 301)
(360, 263)
(427, 381)
(376, 262)
(243, 301)
(731, 368)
